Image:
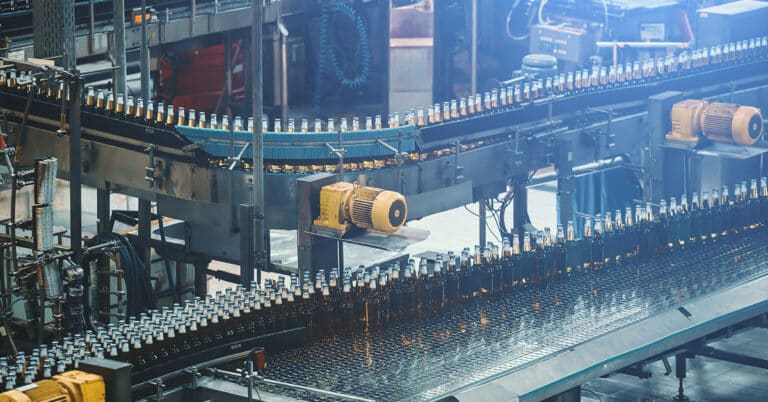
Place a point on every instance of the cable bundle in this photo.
(326, 52)
(140, 294)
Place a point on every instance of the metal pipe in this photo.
(193, 8)
(473, 56)
(257, 95)
(118, 38)
(483, 222)
(283, 32)
(645, 45)
(583, 170)
(91, 28)
(144, 54)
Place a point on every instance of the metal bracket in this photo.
(149, 170)
(458, 175)
(609, 124)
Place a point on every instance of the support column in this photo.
(145, 232)
(102, 210)
(520, 205)
(246, 245)
(482, 222)
(680, 368)
(144, 54)
(75, 169)
(658, 118)
(257, 93)
(565, 181)
(118, 49)
(314, 252)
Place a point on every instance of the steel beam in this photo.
(257, 94)
(118, 49)
(76, 169)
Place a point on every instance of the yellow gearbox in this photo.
(71, 386)
(344, 206)
(721, 122)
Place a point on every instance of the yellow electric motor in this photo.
(347, 205)
(726, 122)
(722, 122)
(71, 386)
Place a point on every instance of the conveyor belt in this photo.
(426, 360)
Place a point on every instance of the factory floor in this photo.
(707, 379)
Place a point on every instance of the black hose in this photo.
(139, 292)
(174, 291)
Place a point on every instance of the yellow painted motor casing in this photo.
(71, 386)
(346, 205)
(721, 122)
(82, 386)
(686, 117)
(727, 122)
(40, 391)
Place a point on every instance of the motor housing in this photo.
(344, 206)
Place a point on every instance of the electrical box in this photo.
(567, 43)
(731, 22)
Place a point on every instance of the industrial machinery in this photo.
(611, 286)
(70, 386)
(344, 206)
(723, 122)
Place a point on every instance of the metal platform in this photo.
(572, 330)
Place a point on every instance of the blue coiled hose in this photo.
(326, 53)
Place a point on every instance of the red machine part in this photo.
(195, 80)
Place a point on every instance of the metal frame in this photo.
(636, 342)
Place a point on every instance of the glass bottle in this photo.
(382, 294)
(452, 288)
(695, 217)
(763, 201)
(527, 263)
(662, 227)
(438, 285)
(539, 260)
(486, 271)
(410, 300)
(645, 247)
(685, 221)
(726, 213)
(753, 205)
(598, 243)
(424, 289)
(572, 250)
(609, 238)
(673, 232)
(371, 305)
(559, 252)
(395, 295)
(586, 245)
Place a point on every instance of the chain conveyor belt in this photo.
(428, 359)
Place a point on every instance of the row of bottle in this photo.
(507, 97)
(45, 362)
(370, 299)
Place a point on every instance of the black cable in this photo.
(174, 291)
(139, 292)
